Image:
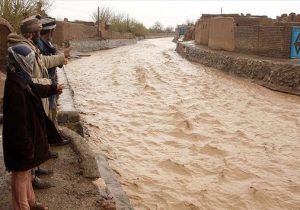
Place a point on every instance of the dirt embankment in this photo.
(277, 74)
(71, 190)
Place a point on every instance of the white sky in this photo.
(170, 13)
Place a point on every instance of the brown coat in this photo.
(26, 127)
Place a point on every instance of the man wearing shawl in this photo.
(26, 127)
(30, 30)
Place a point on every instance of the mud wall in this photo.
(72, 31)
(280, 76)
(272, 41)
(256, 35)
(189, 34)
(79, 31)
(202, 31)
(116, 35)
(158, 35)
(252, 21)
(93, 45)
(221, 34)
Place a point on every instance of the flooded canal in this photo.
(183, 136)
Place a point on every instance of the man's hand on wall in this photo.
(67, 52)
(66, 61)
(60, 88)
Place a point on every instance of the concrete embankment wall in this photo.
(93, 45)
(158, 35)
(281, 75)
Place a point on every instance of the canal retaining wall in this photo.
(158, 35)
(94, 45)
(277, 74)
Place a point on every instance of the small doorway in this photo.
(295, 42)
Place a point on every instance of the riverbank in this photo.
(71, 189)
(90, 45)
(277, 74)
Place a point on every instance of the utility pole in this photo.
(221, 10)
(98, 32)
(127, 22)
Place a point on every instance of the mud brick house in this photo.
(258, 35)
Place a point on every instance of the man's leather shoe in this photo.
(42, 171)
(38, 183)
(63, 142)
(53, 154)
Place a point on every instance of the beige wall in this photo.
(221, 33)
(202, 31)
(158, 35)
(251, 21)
(189, 34)
(271, 41)
(77, 31)
(72, 31)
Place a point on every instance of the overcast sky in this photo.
(170, 13)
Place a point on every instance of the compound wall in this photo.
(68, 31)
(202, 31)
(221, 34)
(72, 31)
(253, 35)
(271, 41)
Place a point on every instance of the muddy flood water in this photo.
(183, 136)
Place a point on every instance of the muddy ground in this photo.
(71, 191)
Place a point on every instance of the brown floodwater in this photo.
(180, 135)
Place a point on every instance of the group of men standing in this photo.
(30, 108)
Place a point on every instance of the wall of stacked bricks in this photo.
(5, 29)
(253, 21)
(262, 40)
(73, 31)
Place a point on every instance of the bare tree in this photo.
(157, 27)
(119, 21)
(105, 15)
(169, 29)
(16, 10)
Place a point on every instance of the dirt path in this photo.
(71, 191)
(183, 136)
